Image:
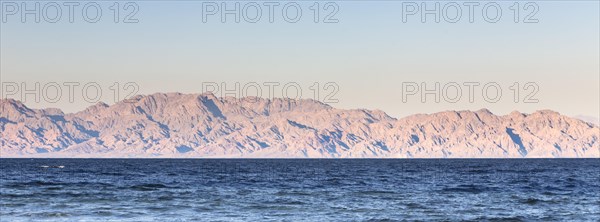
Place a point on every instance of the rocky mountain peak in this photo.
(203, 125)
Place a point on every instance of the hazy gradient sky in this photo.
(368, 54)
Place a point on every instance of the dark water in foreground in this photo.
(299, 190)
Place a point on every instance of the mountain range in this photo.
(203, 125)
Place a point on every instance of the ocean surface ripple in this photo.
(299, 189)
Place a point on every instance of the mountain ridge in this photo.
(203, 125)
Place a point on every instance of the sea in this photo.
(300, 190)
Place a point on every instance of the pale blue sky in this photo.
(369, 53)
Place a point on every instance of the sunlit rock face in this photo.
(202, 125)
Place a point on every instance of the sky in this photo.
(365, 57)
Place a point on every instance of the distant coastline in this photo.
(175, 125)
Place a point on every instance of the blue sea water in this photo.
(299, 189)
